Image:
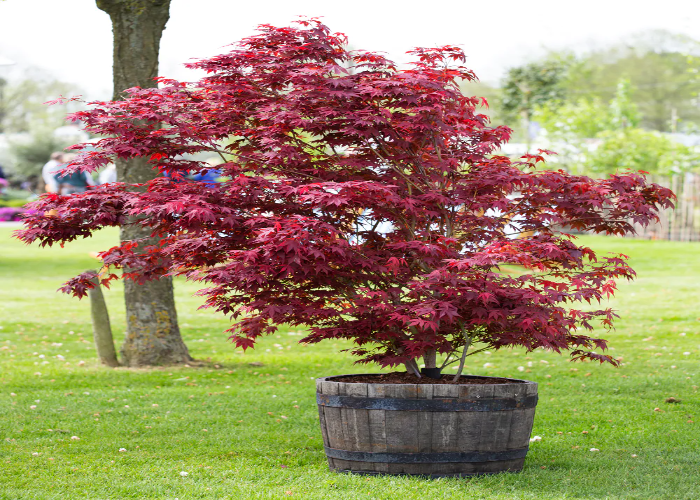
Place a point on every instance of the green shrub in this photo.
(13, 203)
(638, 149)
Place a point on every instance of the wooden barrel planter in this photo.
(436, 430)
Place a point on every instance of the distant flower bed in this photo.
(11, 214)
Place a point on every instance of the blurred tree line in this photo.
(604, 110)
(32, 129)
(612, 108)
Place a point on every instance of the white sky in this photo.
(72, 39)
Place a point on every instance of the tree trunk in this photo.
(430, 358)
(101, 329)
(137, 26)
(152, 333)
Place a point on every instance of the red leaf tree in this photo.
(362, 201)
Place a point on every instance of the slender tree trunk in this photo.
(101, 328)
(460, 369)
(430, 358)
(526, 126)
(152, 332)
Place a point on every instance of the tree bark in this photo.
(430, 358)
(152, 332)
(101, 328)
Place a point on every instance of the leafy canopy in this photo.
(663, 69)
(532, 85)
(365, 204)
(639, 149)
(622, 146)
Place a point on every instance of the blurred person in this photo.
(3, 181)
(49, 170)
(211, 176)
(108, 175)
(77, 182)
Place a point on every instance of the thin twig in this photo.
(461, 361)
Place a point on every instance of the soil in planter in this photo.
(409, 378)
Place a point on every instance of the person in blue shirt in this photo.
(76, 182)
(209, 178)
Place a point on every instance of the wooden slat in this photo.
(531, 391)
(521, 423)
(334, 426)
(425, 420)
(521, 428)
(322, 422)
(500, 431)
(377, 425)
(445, 426)
(445, 391)
(402, 426)
(477, 427)
(409, 469)
(356, 422)
(424, 391)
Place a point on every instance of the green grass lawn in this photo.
(245, 425)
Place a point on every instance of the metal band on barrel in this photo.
(438, 404)
(426, 458)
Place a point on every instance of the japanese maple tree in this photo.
(361, 201)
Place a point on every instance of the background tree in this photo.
(28, 155)
(663, 69)
(598, 139)
(152, 331)
(24, 108)
(637, 149)
(489, 94)
(31, 124)
(527, 87)
(623, 111)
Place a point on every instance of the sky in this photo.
(71, 40)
